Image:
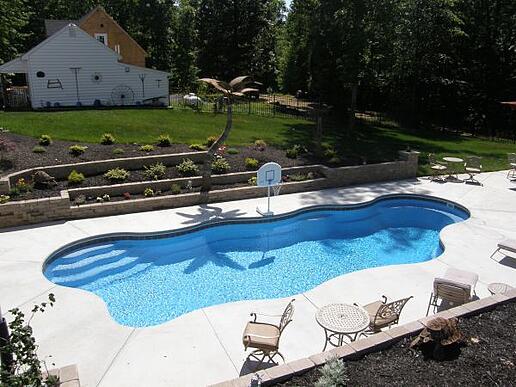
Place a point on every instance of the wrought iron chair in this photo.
(511, 158)
(384, 314)
(265, 337)
(473, 166)
(437, 168)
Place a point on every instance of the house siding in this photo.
(99, 22)
(77, 49)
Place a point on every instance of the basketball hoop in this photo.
(269, 175)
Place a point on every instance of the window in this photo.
(40, 74)
(117, 49)
(96, 77)
(102, 38)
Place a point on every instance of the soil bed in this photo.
(488, 358)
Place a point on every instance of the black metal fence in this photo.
(270, 105)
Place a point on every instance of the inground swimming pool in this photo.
(149, 279)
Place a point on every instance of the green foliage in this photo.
(220, 165)
(147, 148)
(187, 168)
(155, 171)
(211, 140)
(117, 175)
(233, 151)
(118, 151)
(330, 153)
(333, 374)
(107, 139)
(39, 149)
(14, 16)
(260, 145)
(77, 150)
(299, 177)
(251, 164)
(292, 153)
(4, 199)
(22, 345)
(175, 189)
(148, 192)
(45, 140)
(252, 181)
(23, 186)
(75, 178)
(164, 140)
(197, 147)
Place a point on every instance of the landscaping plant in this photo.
(333, 374)
(117, 174)
(260, 145)
(147, 148)
(175, 189)
(233, 151)
(4, 199)
(118, 151)
(220, 165)
(164, 140)
(197, 147)
(211, 140)
(251, 164)
(155, 171)
(77, 150)
(39, 149)
(45, 140)
(23, 185)
(107, 139)
(148, 192)
(188, 168)
(75, 178)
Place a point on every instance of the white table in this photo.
(339, 320)
(454, 168)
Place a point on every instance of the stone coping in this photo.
(373, 343)
(68, 376)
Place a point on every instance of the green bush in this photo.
(148, 192)
(187, 168)
(147, 148)
(220, 166)
(197, 147)
(107, 139)
(39, 149)
(118, 151)
(334, 161)
(75, 178)
(233, 151)
(23, 185)
(251, 164)
(333, 374)
(330, 153)
(77, 150)
(155, 171)
(298, 177)
(117, 174)
(45, 140)
(13, 192)
(260, 145)
(164, 140)
(211, 140)
(292, 153)
(253, 181)
(175, 189)
(4, 199)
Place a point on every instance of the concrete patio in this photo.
(204, 347)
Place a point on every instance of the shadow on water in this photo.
(262, 263)
(219, 259)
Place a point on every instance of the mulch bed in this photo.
(487, 358)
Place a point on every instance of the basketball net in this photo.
(276, 189)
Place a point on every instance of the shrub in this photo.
(118, 151)
(155, 171)
(333, 374)
(253, 181)
(330, 153)
(187, 168)
(175, 189)
(298, 177)
(117, 174)
(75, 178)
(260, 145)
(39, 149)
(334, 161)
(292, 153)
(148, 192)
(211, 140)
(197, 147)
(220, 165)
(107, 139)
(147, 148)
(77, 150)
(23, 185)
(233, 151)
(106, 198)
(13, 192)
(251, 164)
(164, 140)
(45, 140)
(4, 199)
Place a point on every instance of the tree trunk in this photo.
(206, 167)
(352, 109)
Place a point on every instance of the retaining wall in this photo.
(18, 213)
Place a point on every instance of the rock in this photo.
(43, 179)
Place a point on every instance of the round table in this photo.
(454, 170)
(499, 288)
(339, 320)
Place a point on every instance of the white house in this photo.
(72, 68)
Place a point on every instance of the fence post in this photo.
(6, 358)
(274, 104)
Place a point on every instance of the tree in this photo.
(14, 15)
(234, 89)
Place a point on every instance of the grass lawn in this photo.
(373, 141)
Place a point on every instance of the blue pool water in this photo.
(147, 282)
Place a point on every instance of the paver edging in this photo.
(378, 341)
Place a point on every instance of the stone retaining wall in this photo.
(18, 213)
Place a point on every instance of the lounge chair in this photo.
(437, 168)
(473, 166)
(456, 287)
(511, 158)
(384, 314)
(265, 337)
(508, 246)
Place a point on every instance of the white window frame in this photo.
(117, 49)
(104, 35)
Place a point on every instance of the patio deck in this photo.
(204, 347)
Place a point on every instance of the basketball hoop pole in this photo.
(268, 175)
(268, 212)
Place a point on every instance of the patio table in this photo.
(454, 166)
(340, 320)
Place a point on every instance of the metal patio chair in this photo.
(473, 166)
(511, 158)
(384, 314)
(438, 169)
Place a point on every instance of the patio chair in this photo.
(456, 287)
(265, 337)
(473, 166)
(508, 246)
(437, 168)
(384, 314)
(511, 158)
